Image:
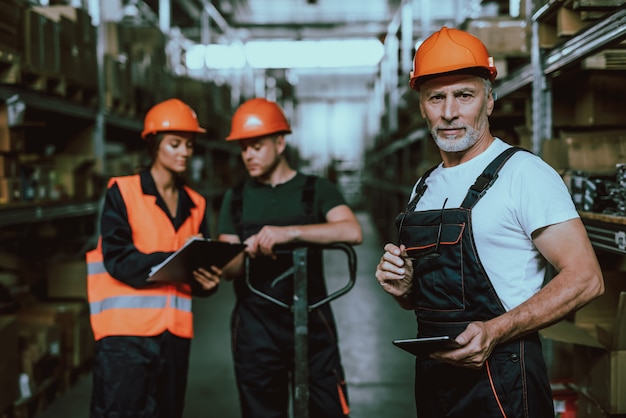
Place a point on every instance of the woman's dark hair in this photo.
(152, 145)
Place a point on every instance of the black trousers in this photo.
(263, 351)
(513, 384)
(140, 377)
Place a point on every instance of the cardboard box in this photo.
(596, 101)
(67, 279)
(117, 75)
(547, 35)
(10, 11)
(555, 152)
(591, 151)
(9, 361)
(38, 342)
(568, 22)
(601, 99)
(32, 36)
(71, 53)
(77, 342)
(502, 36)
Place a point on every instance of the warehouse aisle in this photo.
(380, 376)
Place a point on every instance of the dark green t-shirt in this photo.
(267, 205)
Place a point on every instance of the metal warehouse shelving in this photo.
(533, 78)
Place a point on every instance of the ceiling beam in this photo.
(318, 31)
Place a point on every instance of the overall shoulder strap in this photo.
(419, 190)
(236, 207)
(488, 177)
(308, 194)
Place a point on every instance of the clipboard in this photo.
(423, 345)
(196, 253)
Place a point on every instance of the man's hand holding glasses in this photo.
(395, 274)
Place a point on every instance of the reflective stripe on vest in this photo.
(155, 302)
(119, 309)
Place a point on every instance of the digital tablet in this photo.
(196, 253)
(427, 344)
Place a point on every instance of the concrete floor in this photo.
(379, 375)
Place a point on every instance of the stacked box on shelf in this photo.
(582, 5)
(597, 100)
(117, 71)
(69, 50)
(506, 39)
(31, 38)
(570, 18)
(76, 167)
(588, 160)
(117, 85)
(52, 47)
(553, 28)
(596, 151)
(72, 316)
(502, 36)
(86, 42)
(67, 279)
(40, 43)
(597, 5)
(10, 12)
(78, 43)
(146, 49)
(607, 59)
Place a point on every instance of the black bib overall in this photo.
(451, 289)
(263, 332)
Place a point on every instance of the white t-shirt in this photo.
(527, 195)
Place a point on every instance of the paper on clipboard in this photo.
(196, 253)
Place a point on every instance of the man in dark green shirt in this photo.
(279, 205)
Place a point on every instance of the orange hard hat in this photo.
(450, 51)
(171, 115)
(258, 117)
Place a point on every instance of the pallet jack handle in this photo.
(299, 261)
(301, 309)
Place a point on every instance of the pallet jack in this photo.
(301, 309)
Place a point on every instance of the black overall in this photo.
(263, 332)
(451, 289)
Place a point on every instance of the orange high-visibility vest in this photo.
(119, 309)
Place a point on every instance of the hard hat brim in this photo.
(487, 74)
(145, 133)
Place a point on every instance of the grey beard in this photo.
(456, 145)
